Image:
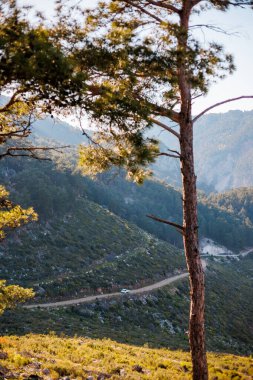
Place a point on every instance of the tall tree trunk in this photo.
(191, 247)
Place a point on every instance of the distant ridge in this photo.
(223, 152)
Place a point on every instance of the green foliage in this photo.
(12, 216)
(133, 55)
(35, 72)
(12, 295)
(97, 159)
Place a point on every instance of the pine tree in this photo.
(146, 67)
(12, 216)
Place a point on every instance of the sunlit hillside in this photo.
(51, 357)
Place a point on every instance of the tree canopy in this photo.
(132, 54)
(11, 215)
(12, 294)
(37, 77)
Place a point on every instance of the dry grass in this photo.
(52, 357)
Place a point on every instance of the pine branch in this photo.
(11, 101)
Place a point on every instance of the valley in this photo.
(93, 237)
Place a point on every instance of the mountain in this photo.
(94, 236)
(90, 230)
(223, 152)
(54, 192)
(59, 131)
(222, 143)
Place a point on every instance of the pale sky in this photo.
(236, 20)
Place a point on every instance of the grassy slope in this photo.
(52, 357)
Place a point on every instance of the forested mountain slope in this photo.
(81, 245)
(238, 201)
(55, 193)
(223, 146)
(77, 244)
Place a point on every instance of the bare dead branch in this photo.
(162, 4)
(241, 4)
(219, 104)
(30, 151)
(143, 10)
(164, 126)
(18, 133)
(30, 155)
(168, 155)
(178, 227)
(214, 28)
(174, 151)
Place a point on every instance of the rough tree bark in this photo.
(191, 247)
(190, 217)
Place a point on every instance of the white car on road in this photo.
(124, 291)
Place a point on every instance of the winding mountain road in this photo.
(227, 255)
(149, 288)
(88, 299)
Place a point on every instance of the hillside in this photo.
(78, 245)
(159, 318)
(134, 202)
(94, 236)
(54, 191)
(238, 201)
(46, 356)
(222, 143)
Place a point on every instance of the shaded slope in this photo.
(78, 245)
